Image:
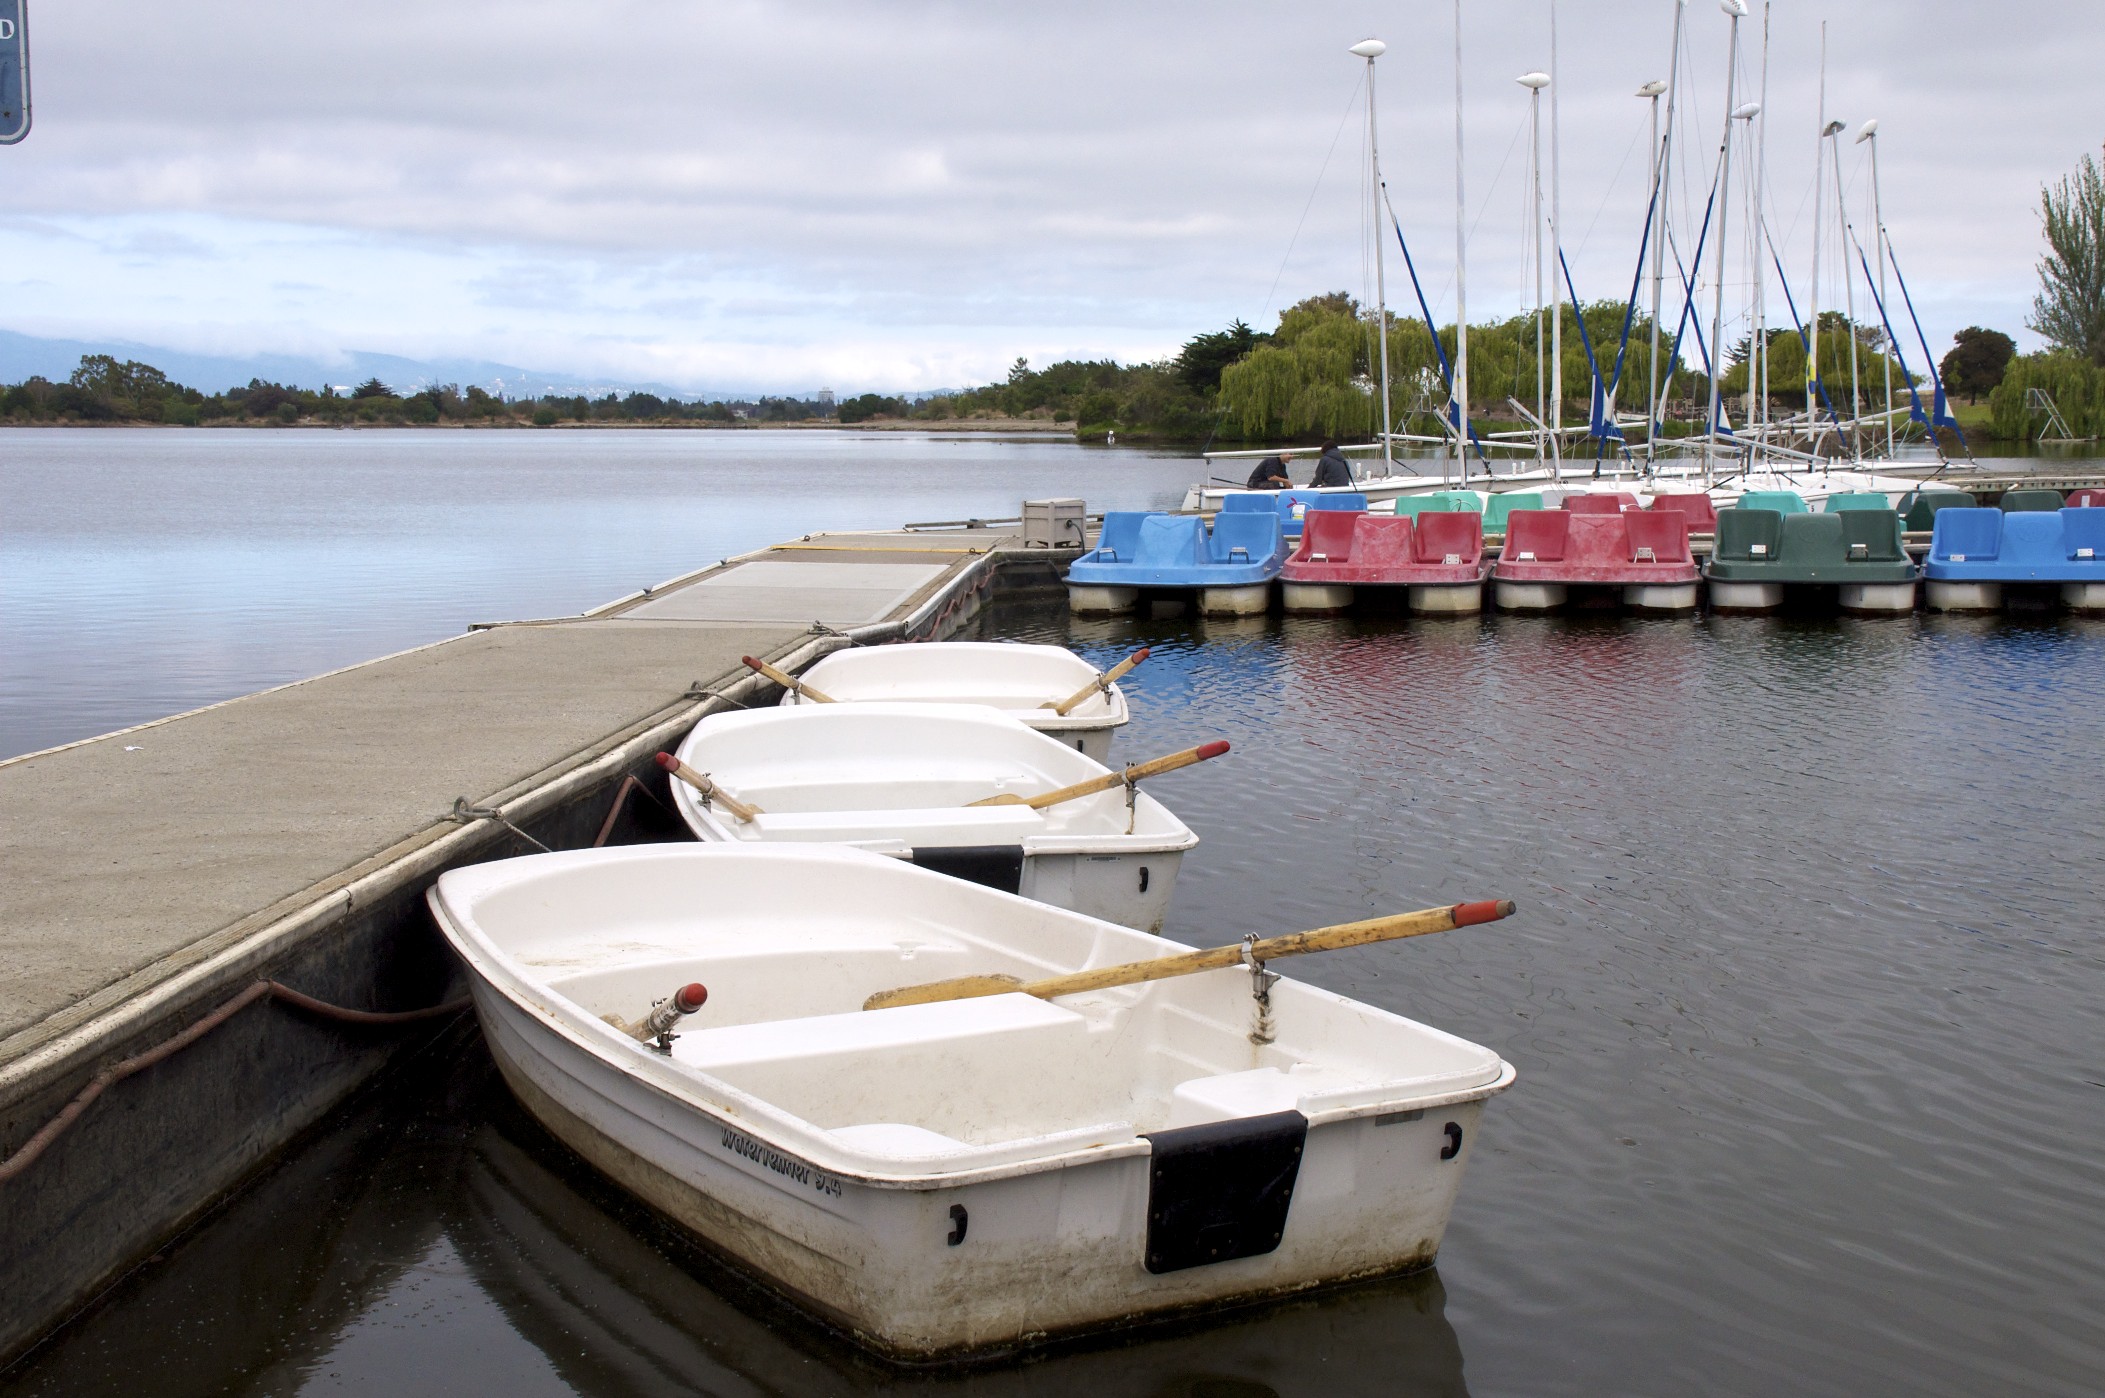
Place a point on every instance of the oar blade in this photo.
(957, 988)
(1006, 798)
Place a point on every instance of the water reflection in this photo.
(198, 565)
(437, 1240)
(1804, 957)
(1805, 999)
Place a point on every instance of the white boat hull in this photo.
(1018, 680)
(1042, 1256)
(899, 780)
(1674, 476)
(921, 1257)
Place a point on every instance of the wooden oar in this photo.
(1344, 934)
(1100, 685)
(1108, 780)
(707, 787)
(788, 681)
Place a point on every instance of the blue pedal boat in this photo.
(1292, 506)
(1230, 566)
(1975, 552)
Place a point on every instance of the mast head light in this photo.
(1652, 88)
(1369, 48)
(1867, 131)
(1833, 128)
(1534, 81)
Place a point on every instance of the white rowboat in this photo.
(967, 1175)
(899, 779)
(1020, 680)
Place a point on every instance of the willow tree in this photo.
(2073, 381)
(2069, 311)
(1787, 377)
(1317, 376)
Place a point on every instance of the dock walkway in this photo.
(149, 875)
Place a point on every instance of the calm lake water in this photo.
(143, 573)
(1806, 992)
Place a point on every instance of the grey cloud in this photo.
(1132, 172)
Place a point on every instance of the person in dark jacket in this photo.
(1331, 467)
(1271, 473)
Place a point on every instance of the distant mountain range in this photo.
(24, 355)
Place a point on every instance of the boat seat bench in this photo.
(1034, 1069)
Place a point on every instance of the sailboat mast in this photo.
(1662, 167)
(1371, 49)
(1461, 272)
(1556, 417)
(1812, 345)
(1878, 219)
(1534, 83)
(1856, 410)
(1737, 9)
(1759, 345)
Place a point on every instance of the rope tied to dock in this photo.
(465, 814)
(820, 628)
(123, 1068)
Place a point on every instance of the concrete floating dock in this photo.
(149, 876)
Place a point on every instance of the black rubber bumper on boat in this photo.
(996, 866)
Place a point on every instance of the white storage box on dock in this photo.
(1055, 524)
(965, 1175)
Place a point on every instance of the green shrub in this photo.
(2076, 385)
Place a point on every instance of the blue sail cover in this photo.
(1453, 414)
(1601, 427)
(1900, 356)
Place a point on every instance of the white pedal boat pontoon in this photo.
(899, 779)
(1019, 680)
(969, 1175)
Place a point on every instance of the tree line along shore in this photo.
(1315, 374)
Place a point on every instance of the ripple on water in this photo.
(1805, 995)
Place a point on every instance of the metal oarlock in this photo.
(1132, 803)
(656, 1027)
(1261, 982)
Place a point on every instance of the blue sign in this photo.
(14, 71)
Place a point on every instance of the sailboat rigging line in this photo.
(1940, 415)
(1805, 342)
(1351, 104)
(1609, 194)
(1585, 339)
(1482, 209)
(1899, 354)
(1689, 301)
(1492, 193)
(1221, 415)
(1425, 311)
(1644, 245)
(1688, 284)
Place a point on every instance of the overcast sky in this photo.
(908, 195)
